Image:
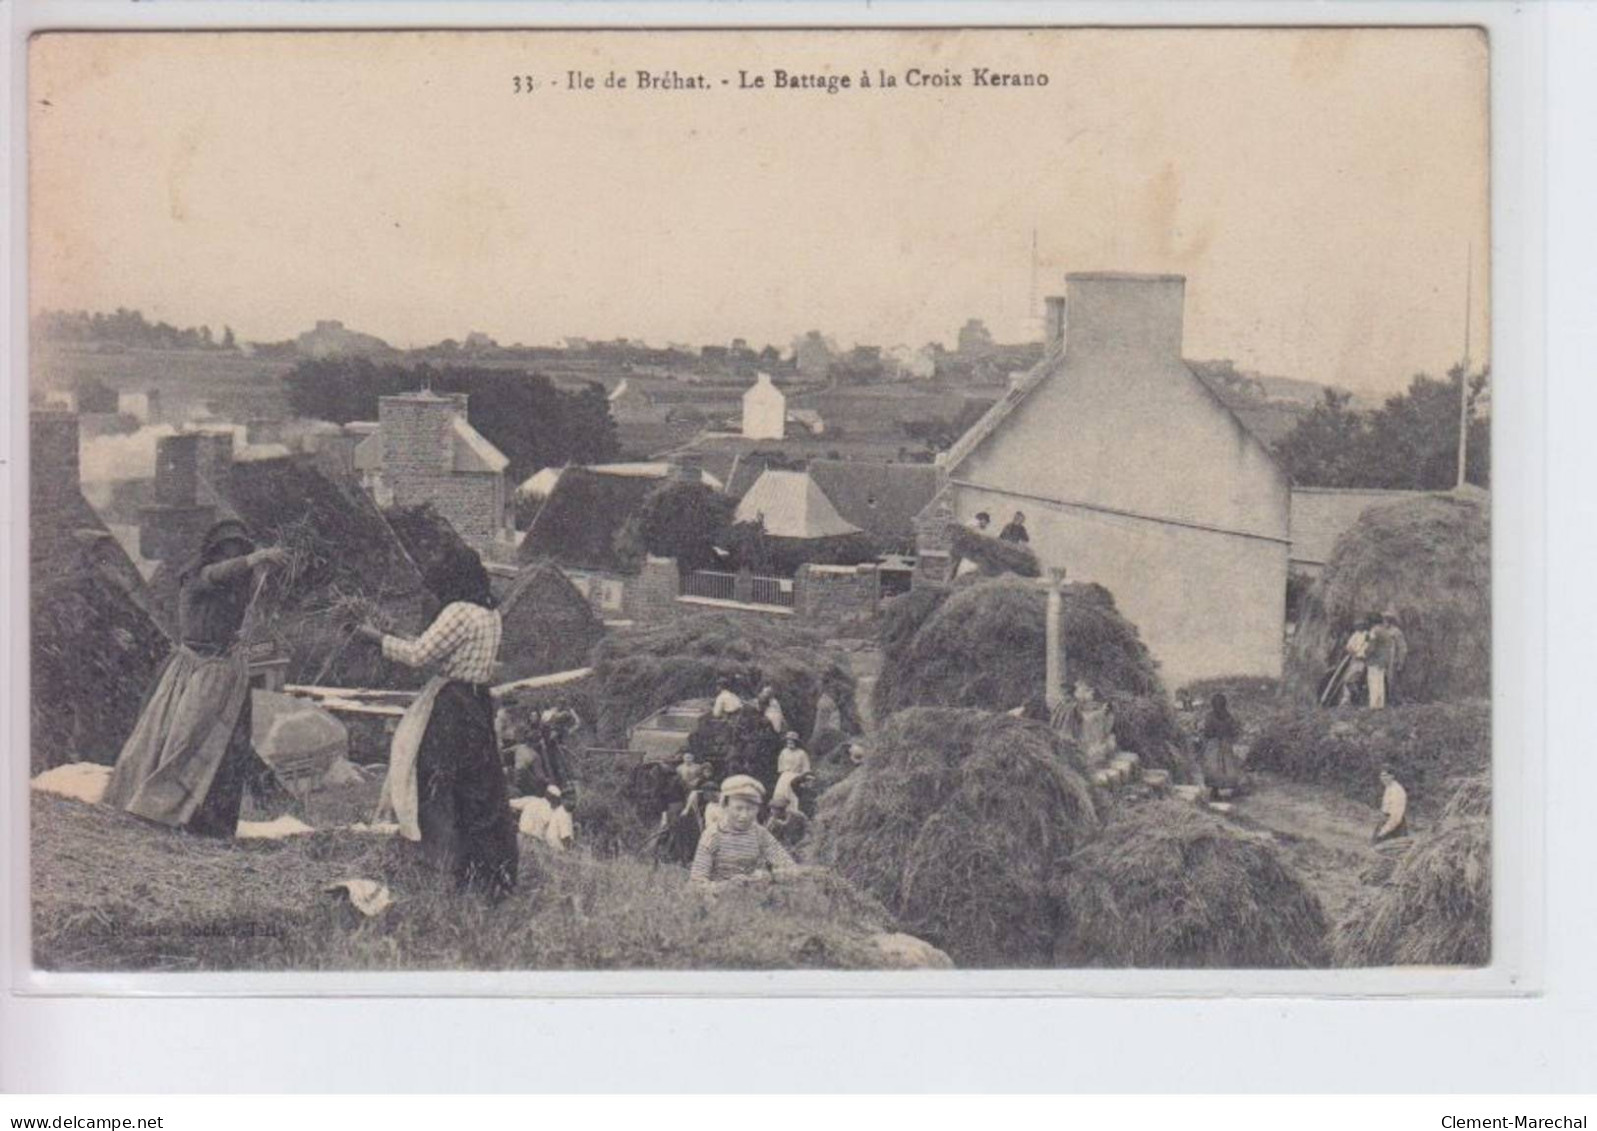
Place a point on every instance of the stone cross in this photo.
(1054, 674)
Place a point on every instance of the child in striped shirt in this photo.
(739, 845)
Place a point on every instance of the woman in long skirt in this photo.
(189, 757)
(446, 786)
(1221, 767)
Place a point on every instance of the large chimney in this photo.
(214, 457)
(1055, 322)
(1114, 312)
(177, 470)
(171, 529)
(52, 456)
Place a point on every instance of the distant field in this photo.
(233, 385)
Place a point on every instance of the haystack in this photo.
(427, 536)
(346, 565)
(549, 624)
(993, 556)
(580, 523)
(985, 644)
(643, 670)
(94, 655)
(94, 647)
(1168, 885)
(960, 822)
(1435, 909)
(1429, 559)
(1427, 745)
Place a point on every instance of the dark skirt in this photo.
(468, 829)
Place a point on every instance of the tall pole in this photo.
(1463, 382)
(1031, 295)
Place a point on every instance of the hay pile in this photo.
(94, 647)
(581, 522)
(549, 624)
(1427, 745)
(113, 893)
(1169, 885)
(1430, 559)
(345, 565)
(993, 556)
(94, 656)
(984, 645)
(1435, 909)
(959, 821)
(643, 670)
(427, 536)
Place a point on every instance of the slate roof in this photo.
(474, 452)
(880, 498)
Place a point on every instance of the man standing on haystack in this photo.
(1015, 530)
(189, 757)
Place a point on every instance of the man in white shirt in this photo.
(726, 702)
(547, 819)
(1358, 650)
(1394, 808)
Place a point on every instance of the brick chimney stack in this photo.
(177, 469)
(53, 456)
(171, 528)
(1131, 315)
(214, 457)
(1055, 323)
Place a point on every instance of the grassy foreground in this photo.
(114, 893)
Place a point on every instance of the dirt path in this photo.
(1323, 835)
(866, 664)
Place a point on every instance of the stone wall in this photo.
(838, 595)
(651, 596)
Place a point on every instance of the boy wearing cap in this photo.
(739, 845)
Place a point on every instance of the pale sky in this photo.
(1321, 190)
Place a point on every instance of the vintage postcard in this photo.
(788, 500)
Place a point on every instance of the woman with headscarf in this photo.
(445, 785)
(187, 761)
(1221, 769)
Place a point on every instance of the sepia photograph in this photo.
(874, 499)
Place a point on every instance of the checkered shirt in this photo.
(463, 644)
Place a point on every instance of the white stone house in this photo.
(1132, 474)
(764, 410)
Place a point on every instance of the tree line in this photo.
(126, 327)
(1410, 442)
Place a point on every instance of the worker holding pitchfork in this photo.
(189, 757)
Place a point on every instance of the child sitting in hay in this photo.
(738, 845)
